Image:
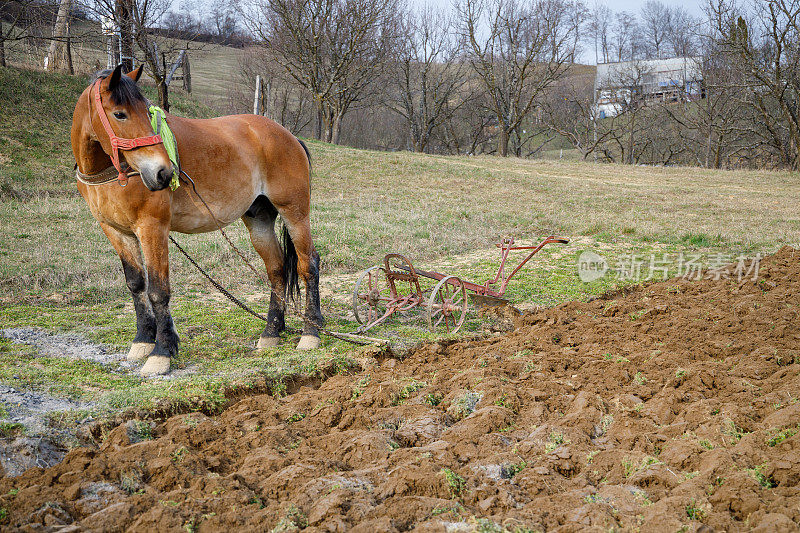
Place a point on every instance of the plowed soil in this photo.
(672, 406)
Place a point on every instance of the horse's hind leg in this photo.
(127, 248)
(308, 269)
(260, 222)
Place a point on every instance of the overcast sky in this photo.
(635, 6)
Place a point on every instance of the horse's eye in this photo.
(119, 115)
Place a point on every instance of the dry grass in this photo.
(57, 271)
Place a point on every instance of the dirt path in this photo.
(674, 406)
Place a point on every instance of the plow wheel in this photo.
(447, 307)
(370, 294)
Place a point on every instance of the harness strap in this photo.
(119, 143)
(106, 175)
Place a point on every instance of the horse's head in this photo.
(125, 109)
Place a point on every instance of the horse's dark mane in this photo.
(126, 92)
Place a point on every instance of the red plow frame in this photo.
(379, 292)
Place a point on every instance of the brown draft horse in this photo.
(244, 166)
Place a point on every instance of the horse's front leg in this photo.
(127, 248)
(154, 241)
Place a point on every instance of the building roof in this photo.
(650, 73)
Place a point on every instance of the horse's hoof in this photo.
(140, 350)
(267, 342)
(156, 365)
(308, 342)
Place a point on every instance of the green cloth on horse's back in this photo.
(158, 120)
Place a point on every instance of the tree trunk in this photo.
(318, 129)
(502, 145)
(55, 54)
(163, 95)
(126, 35)
(70, 67)
(337, 128)
(630, 140)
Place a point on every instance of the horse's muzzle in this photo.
(158, 178)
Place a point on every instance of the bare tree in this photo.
(626, 40)
(599, 31)
(57, 55)
(222, 18)
(283, 99)
(335, 49)
(656, 19)
(682, 32)
(136, 20)
(625, 132)
(569, 112)
(13, 14)
(427, 76)
(765, 44)
(518, 48)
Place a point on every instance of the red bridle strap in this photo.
(119, 143)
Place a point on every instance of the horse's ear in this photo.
(136, 73)
(113, 80)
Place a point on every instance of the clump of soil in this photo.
(674, 405)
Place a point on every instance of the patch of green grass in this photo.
(605, 423)
(455, 483)
(503, 401)
(778, 436)
(730, 429)
(10, 428)
(140, 430)
(409, 387)
(694, 512)
(131, 481)
(631, 467)
(640, 379)
(765, 481)
(433, 398)
(465, 404)
(508, 471)
(179, 454)
(295, 417)
(554, 441)
(454, 508)
(701, 240)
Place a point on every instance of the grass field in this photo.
(58, 272)
(211, 64)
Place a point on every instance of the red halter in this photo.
(119, 143)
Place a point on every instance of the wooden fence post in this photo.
(187, 75)
(257, 99)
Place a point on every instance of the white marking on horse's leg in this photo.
(140, 350)
(156, 365)
(308, 342)
(267, 342)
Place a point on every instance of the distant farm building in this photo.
(667, 80)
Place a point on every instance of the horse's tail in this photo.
(308, 155)
(292, 287)
(289, 253)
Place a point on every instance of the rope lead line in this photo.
(347, 337)
(216, 285)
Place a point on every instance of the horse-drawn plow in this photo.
(394, 287)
